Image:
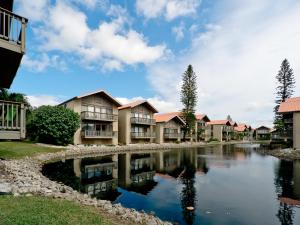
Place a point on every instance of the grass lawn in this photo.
(40, 211)
(16, 150)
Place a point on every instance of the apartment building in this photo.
(203, 132)
(263, 133)
(12, 49)
(136, 123)
(290, 109)
(168, 127)
(222, 130)
(99, 118)
(243, 132)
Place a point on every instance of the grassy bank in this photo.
(16, 150)
(40, 210)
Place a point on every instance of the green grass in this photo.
(40, 211)
(17, 150)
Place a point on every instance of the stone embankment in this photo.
(24, 177)
(288, 154)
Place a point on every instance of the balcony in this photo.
(262, 131)
(172, 135)
(12, 120)
(93, 134)
(141, 135)
(145, 121)
(12, 45)
(289, 120)
(227, 129)
(98, 116)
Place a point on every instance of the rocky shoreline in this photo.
(24, 177)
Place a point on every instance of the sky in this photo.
(139, 49)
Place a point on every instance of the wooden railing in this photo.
(172, 135)
(139, 120)
(142, 135)
(98, 134)
(12, 31)
(12, 120)
(98, 116)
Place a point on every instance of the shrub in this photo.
(53, 125)
(213, 140)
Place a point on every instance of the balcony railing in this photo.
(12, 120)
(98, 116)
(142, 135)
(98, 134)
(227, 129)
(289, 120)
(172, 135)
(139, 120)
(262, 131)
(12, 31)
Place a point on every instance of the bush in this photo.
(53, 125)
(213, 140)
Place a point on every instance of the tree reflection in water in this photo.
(188, 193)
(284, 188)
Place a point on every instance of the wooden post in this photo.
(23, 121)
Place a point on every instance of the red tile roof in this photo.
(241, 128)
(137, 103)
(219, 122)
(166, 117)
(290, 105)
(202, 117)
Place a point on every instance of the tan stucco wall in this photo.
(296, 130)
(96, 100)
(217, 132)
(124, 126)
(159, 132)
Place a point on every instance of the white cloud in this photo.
(92, 4)
(236, 60)
(65, 28)
(160, 104)
(179, 31)
(39, 100)
(170, 9)
(40, 62)
(35, 10)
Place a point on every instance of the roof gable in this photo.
(102, 92)
(137, 103)
(166, 117)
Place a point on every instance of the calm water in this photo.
(225, 185)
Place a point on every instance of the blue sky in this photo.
(140, 48)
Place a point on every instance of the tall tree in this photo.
(285, 89)
(229, 118)
(189, 99)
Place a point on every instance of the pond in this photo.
(222, 184)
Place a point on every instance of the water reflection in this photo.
(172, 182)
(287, 183)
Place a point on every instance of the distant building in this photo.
(221, 130)
(203, 132)
(99, 118)
(168, 127)
(263, 133)
(290, 109)
(136, 123)
(243, 132)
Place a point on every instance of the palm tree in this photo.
(13, 96)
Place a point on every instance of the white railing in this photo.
(12, 30)
(172, 135)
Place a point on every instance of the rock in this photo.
(5, 188)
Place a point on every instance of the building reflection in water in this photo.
(98, 176)
(287, 183)
(101, 176)
(136, 172)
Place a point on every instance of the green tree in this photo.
(53, 125)
(189, 100)
(285, 89)
(13, 96)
